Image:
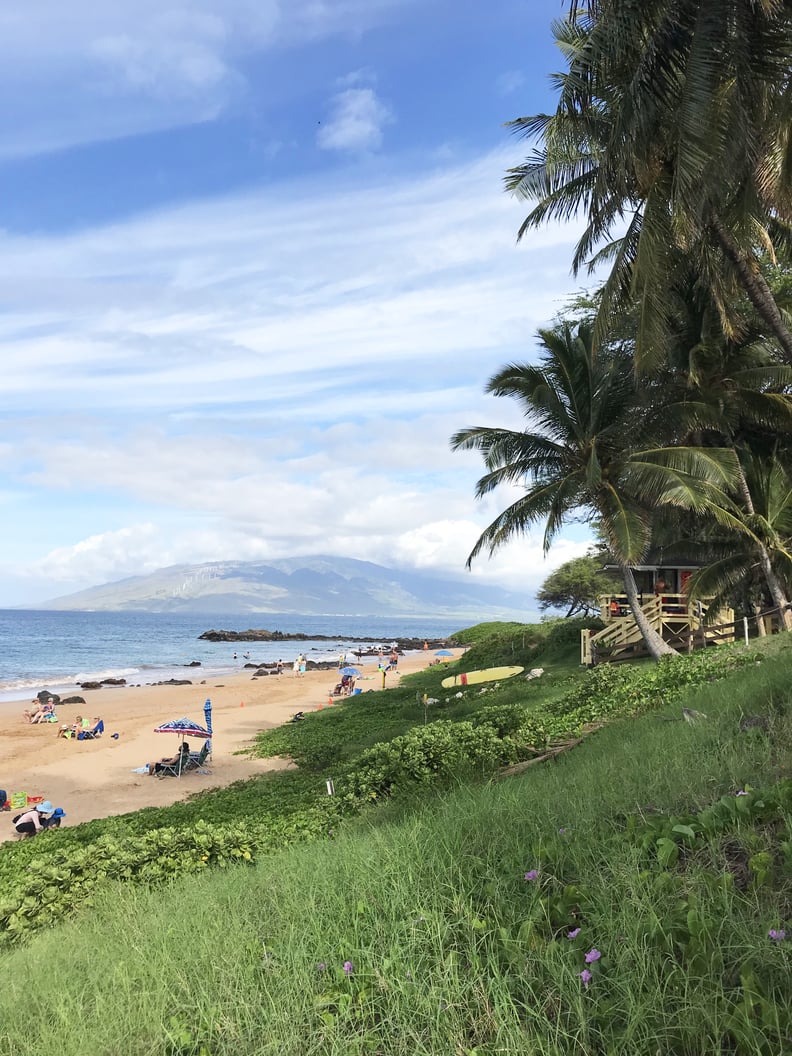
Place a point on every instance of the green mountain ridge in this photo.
(311, 586)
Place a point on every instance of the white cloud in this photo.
(274, 373)
(357, 119)
(82, 71)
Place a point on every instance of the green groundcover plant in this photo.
(40, 890)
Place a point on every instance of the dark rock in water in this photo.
(45, 695)
(252, 665)
(90, 685)
(173, 682)
(113, 681)
(193, 663)
(402, 644)
(73, 700)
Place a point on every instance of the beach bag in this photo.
(18, 800)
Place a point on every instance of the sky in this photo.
(256, 267)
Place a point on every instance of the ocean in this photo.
(58, 650)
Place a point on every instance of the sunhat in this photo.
(45, 808)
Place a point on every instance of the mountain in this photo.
(311, 586)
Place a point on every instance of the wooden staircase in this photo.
(679, 622)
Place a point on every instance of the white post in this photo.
(330, 787)
(745, 629)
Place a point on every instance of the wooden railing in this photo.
(681, 622)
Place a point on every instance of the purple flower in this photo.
(573, 934)
(777, 935)
(532, 874)
(585, 976)
(321, 966)
(592, 956)
(348, 968)
(562, 832)
(742, 793)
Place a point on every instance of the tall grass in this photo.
(451, 949)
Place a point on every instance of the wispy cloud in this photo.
(84, 72)
(357, 119)
(509, 82)
(276, 372)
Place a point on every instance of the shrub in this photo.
(426, 755)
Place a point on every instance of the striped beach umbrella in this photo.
(184, 728)
(208, 718)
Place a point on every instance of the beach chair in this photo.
(193, 761)
(91, 735)
(197, 760)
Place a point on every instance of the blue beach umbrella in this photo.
(208, 718)
(349, 671)
(444, 652)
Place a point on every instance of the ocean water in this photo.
(57, 650)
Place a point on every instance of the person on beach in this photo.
(182, 755)
(71, 731)
(279, 667)
(29, 822)
(37, 709)
(45, 713)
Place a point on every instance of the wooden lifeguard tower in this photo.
(662, 590)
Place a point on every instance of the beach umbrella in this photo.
(349, 671)
(208, 718)
(183, 728)
(443, 652)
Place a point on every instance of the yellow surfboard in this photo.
(487, 674)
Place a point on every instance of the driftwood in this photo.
(551, 753)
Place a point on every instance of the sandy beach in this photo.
(95, 779)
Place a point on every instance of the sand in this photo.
(94, 779)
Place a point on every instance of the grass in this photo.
(453, 950)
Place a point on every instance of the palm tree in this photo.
(674, 118)
(734, 395)
(588, 450)
(738, 558)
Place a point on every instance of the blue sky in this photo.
(257, 266)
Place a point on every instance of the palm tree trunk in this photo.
(754, 284)
(777, 592)
(654, 641)
(761, 630)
